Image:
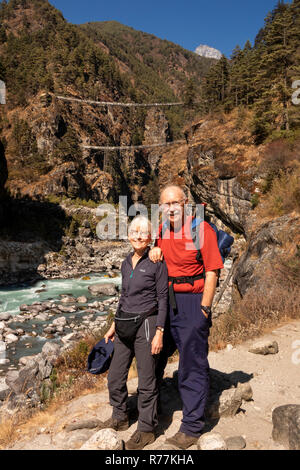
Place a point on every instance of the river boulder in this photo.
(108, 288)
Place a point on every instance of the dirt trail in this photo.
(275, 380)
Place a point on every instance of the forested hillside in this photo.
(260, 77)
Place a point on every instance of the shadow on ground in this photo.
(170, 401)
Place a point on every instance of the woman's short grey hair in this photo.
(141, 221)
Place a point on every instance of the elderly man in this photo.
(192, 287)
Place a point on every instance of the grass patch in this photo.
(283, 197)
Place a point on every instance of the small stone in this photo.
(41, 317)
(69, 337)
(211, 441)
(24, 308)
(82, 299)
(5, 316)
(235, 443)
(50, 330)
(66, 309)
(105, 439)
(61, 321)
(68, 299)
(264, 347)
(229, 347)
(11, 338)
(245, 391)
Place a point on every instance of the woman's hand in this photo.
(157, 343)
(155, 254)
(111, 333)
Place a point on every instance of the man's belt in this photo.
(181, 280)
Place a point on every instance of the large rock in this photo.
(4, 389)
(286, 426)
(105, 439)
(24, 380)
(224, 405)
(45, 369)
(263, 245)
(211, 441)
(264, 347)
(103, 289)
(294, 431)
(227, 393)
(51, 352)
(51, 349)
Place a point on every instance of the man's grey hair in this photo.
(174, 186)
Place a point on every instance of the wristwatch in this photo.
(160, 328)
(207, 310)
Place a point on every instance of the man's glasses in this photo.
(167, 206)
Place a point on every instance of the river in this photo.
(11, 298)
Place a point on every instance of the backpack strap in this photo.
(163, 229)
(195, 224)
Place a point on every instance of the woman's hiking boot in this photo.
(117, 425)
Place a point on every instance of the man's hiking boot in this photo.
(117, 425)
(182, 440)
(139, 440)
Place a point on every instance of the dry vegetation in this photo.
(276, 300)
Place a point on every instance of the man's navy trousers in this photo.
(190, 331)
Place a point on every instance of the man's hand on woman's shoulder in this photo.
(155, 254)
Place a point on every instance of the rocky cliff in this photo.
(216, 167)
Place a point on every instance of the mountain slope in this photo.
(42, 55)
(151, 62)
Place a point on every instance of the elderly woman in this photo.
(138, 331)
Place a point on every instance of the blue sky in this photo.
(218, 23)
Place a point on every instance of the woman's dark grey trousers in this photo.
(147, 386)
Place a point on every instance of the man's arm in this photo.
(210, 285)
(212, 263)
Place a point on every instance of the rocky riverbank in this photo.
(59, 324)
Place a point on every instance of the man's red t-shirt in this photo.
(180, 254)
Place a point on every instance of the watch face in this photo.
(206, 309)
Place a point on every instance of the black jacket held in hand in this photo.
(144, 287)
